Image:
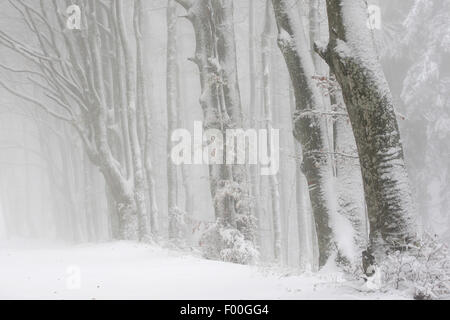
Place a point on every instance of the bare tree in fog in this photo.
(220, 99)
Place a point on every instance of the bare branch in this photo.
(36, 102)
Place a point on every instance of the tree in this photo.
(352, 58)
(426, 83)
(309, 128)
(97, 97)
(172, 118)
(349, 188)
(215, 57)
(267, 114)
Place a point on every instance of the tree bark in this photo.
(309, 130)
(150, 218)
(138, 168)
(253, 121)
(349, 189)
(172, 99)
(267, 114)
(215, 57)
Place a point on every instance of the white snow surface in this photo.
(128, 270)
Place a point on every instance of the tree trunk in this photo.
(138, 168)
(253, 121)
(349, 186)
(352, 57)
(309, 129)
(349, 189)
(146, 138)
(267, 114)
(172, 98)
(215, 57)
(305, 221)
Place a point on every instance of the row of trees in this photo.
(342, 110)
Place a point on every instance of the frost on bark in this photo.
(309, 129)
(215, 56)
(352, 58)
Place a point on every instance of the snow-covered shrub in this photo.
(423, 270)
(246, 224)
(228, 244)
(231, 239)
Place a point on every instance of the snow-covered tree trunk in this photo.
(146, 143)
(182, 113)
(215, 56)
(172, 99)
(349, 189)
(199, 13)
(349, 186)
(138, 167)
(121, 187)
(352, 57)
(309, 129)
(305, 221)
(253, 118)
(220, 99)
(266, 49)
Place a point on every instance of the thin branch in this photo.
(37, 103)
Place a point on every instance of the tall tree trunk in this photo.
(352, 57)
(185, 172)
(215, 57)
(349, 189)
(266, 49)
(172, 99)
(309, 129)
(148, 218)
(349, 185)
(138, 168)
(198, 12)
(305, 221)
(253, 120)
(146, 135)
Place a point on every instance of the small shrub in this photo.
(423, 270)
(228, 244)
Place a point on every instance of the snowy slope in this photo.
(125, 270)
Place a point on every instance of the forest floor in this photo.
(126, 270)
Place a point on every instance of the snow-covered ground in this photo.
(126, 270)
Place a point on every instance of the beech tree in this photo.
(215, 57)
(309, 128)
(352, 57)
(349, 190)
